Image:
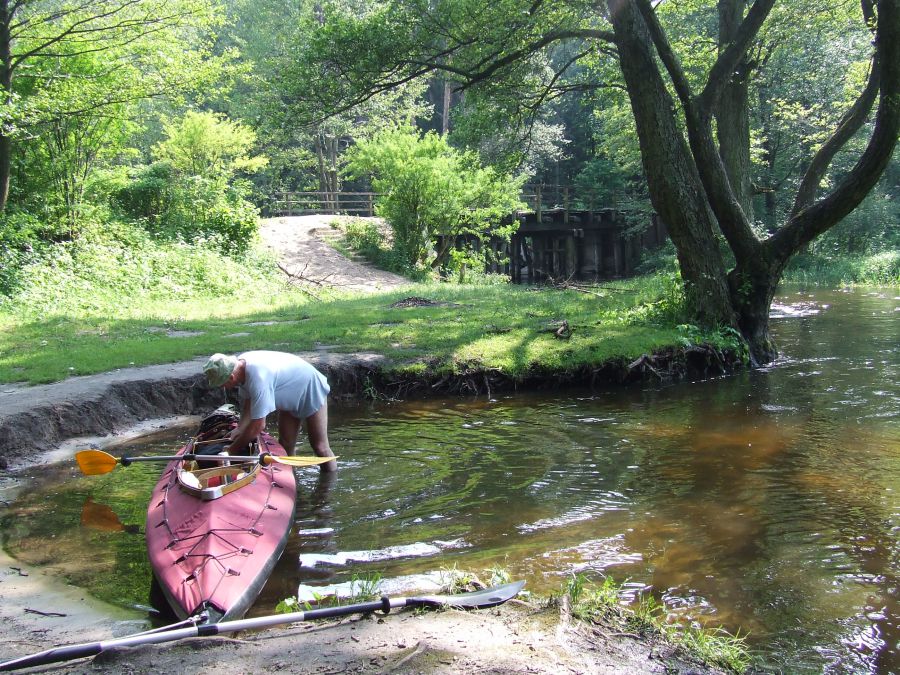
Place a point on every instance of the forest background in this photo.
(141, 139)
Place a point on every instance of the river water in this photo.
(766, 503)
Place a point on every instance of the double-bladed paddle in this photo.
(488, 597)
(96, 462)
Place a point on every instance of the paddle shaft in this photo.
(486, 598)
(125, 461)
(93, 648)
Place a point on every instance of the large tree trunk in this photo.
(733, 112)
(691, 188)
(674, 184)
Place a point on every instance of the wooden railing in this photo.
(305, 203)
(537, 198)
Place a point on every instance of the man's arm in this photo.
(247, 430)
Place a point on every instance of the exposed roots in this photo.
(698, 361)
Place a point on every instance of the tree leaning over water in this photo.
(692, 126)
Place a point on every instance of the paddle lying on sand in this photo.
(96, 462)
(489, 597)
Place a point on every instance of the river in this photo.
(765, 503)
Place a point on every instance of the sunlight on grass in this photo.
(100, 310)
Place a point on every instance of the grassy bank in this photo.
(879, 269)
(601, 603)
(98, 305)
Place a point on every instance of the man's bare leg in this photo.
(288, 428)
(317, 429)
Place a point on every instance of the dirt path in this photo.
(300, 242)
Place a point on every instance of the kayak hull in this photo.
(214, 556)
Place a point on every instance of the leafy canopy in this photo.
(430, 190)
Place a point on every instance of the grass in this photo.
(507, 328)
(602, 602)
(117, 298)
(879, 269)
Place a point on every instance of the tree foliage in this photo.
(195, 188)
(433, 194)
(66, 64)
(688, 91)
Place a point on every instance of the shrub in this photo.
(118, 262)
(21, 239)
(881, 268)
(434, 196)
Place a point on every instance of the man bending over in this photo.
(269, 381)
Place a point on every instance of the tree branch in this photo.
(849, 124)
(667, 54)
(812, 221)
(698, 121)
(473, 78)
(729, 58)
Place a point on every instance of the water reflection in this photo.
(765, 502)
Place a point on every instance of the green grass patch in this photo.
(507, 328)
(603, 602)
(99, 305)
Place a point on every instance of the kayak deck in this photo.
(213, 554)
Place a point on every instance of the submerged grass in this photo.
(603, 602)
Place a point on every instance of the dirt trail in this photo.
(300, 242)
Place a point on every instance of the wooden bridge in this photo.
(558, 237)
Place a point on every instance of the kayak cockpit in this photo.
(207, 483)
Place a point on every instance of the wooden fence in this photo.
(537, 198)
(305, 203)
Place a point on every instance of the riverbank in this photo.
(36, 420)
(46, 423)
(518, 637)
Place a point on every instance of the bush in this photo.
(367, 239)
(191, 192)
(189, 208)
(21, 240)
(434, 196)
(881, 269)
(876, 269)
(120, 263)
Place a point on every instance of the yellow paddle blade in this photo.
(95, 462)
(298, 461)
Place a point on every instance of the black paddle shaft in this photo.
(488, 597)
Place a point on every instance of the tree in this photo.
(694, 147)
(194, 189)
(433, 192)
(137, 48)
(208, 145)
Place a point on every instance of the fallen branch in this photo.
(560, 329)
(406, 659)
(644, 363)
(28, 610)
(297, 280)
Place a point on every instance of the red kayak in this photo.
(215, 529)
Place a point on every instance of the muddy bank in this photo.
(517, 637)
(35, 420)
